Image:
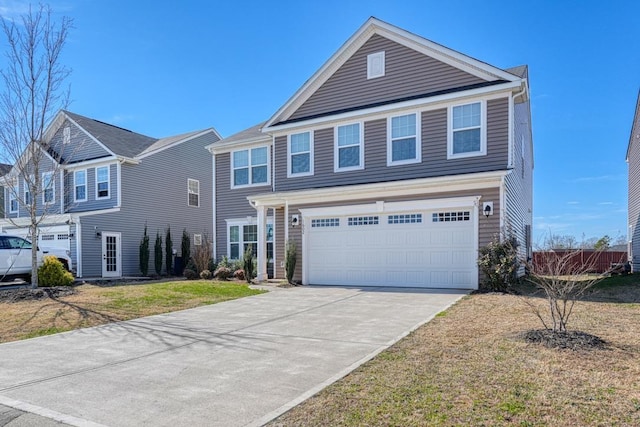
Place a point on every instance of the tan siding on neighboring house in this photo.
(407, 73)
(434, 153)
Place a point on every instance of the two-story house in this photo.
(105, 183)
(390, 166)
(633, 161)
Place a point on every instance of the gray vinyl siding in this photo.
(634, 191)
(488, 228)
(231, 203)
(434, 153)
(82, 146)
(45, 165)
(519, 183)
(407, 73)
(92, 202)
(154, 192)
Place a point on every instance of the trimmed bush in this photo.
(239, 274)
(168, 253)
(186, 247)
(499, 262)
(290, 259)
(157, 253)
(190, 274)
(222, 273)
(144, 253)
(247, 260)
(53, 273)
(205, 275)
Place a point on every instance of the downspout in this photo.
(215, 228)
(512, 128)
(78, 248)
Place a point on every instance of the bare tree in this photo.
(563, 277)
(33, 92)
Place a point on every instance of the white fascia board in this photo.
(216, 148)
(177, 142)
(26, 221)
(423, 104)
(392, 207)
(53, 127)
(91, 163)
(413, 187)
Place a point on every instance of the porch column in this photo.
(262, 243)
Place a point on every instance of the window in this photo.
(250, 167)
(466, 133)
(102, 182)
(66, 135)
(13, 202)
(242, 236)
(47, 237)
(404, 142)
(363, 220)
(48, 187)
(300, 154)
(193, 190)
(348, 149)
(80, 186)
(451, 216)
(375, 65)
(27, 195)
(325, 222)
(405, 219)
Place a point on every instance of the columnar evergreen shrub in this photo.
(168, 252)
(290, 259)
(248, 266)
(157, 253)
(144, 253)
(186, 247)
(53, 273)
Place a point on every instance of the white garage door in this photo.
(423, 248)
(55, 236)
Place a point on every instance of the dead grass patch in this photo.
(471, 367)
(94, 305)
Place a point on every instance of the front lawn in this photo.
(469, 366)
(94, 305)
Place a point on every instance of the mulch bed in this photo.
(571, 340)
(18, 295)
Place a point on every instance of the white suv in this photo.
(15, 256)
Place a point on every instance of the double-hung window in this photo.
(300, 154)
(243, 236)
(80, 186)
(102, 182)
(349, 153)
(13, 201)
(48, 187)
(28, 200)
(403, 144)
(250, 167)
(193, 191)
(467, 129)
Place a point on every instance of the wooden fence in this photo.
(597, 261)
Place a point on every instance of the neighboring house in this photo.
(110, 183)
(390, 166)
(4, 169)
(633, 159)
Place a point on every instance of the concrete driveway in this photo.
(237, 363)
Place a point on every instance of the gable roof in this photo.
(250, 135)
(5, 169)
(375, 26)
(120, 141)
(169, 141)
(635, 127)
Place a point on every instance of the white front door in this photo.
(111, 259)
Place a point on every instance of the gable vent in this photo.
(375, 65)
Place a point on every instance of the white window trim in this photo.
(418, 158)
(371, 58)
(240, 223)
(75, 185)
(190, 180)
(108, 182)
(13, 196)
(310, 173)
(52, 184)
(336, 148)
(483, 131)
(232, 169)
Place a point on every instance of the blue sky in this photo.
(165, 67)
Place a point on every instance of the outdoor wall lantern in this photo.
(487, 208)
(295, 220)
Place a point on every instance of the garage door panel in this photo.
(393, 250)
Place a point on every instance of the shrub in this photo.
(202, 254)
(290, 259)
(222, 273)
(168, 252)
(239, 274)
(186, 247)
(157, 253)
(205, 274)
(144, 253)
(190, 274)
(53, 273)
(499, 262)
(247, 261)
